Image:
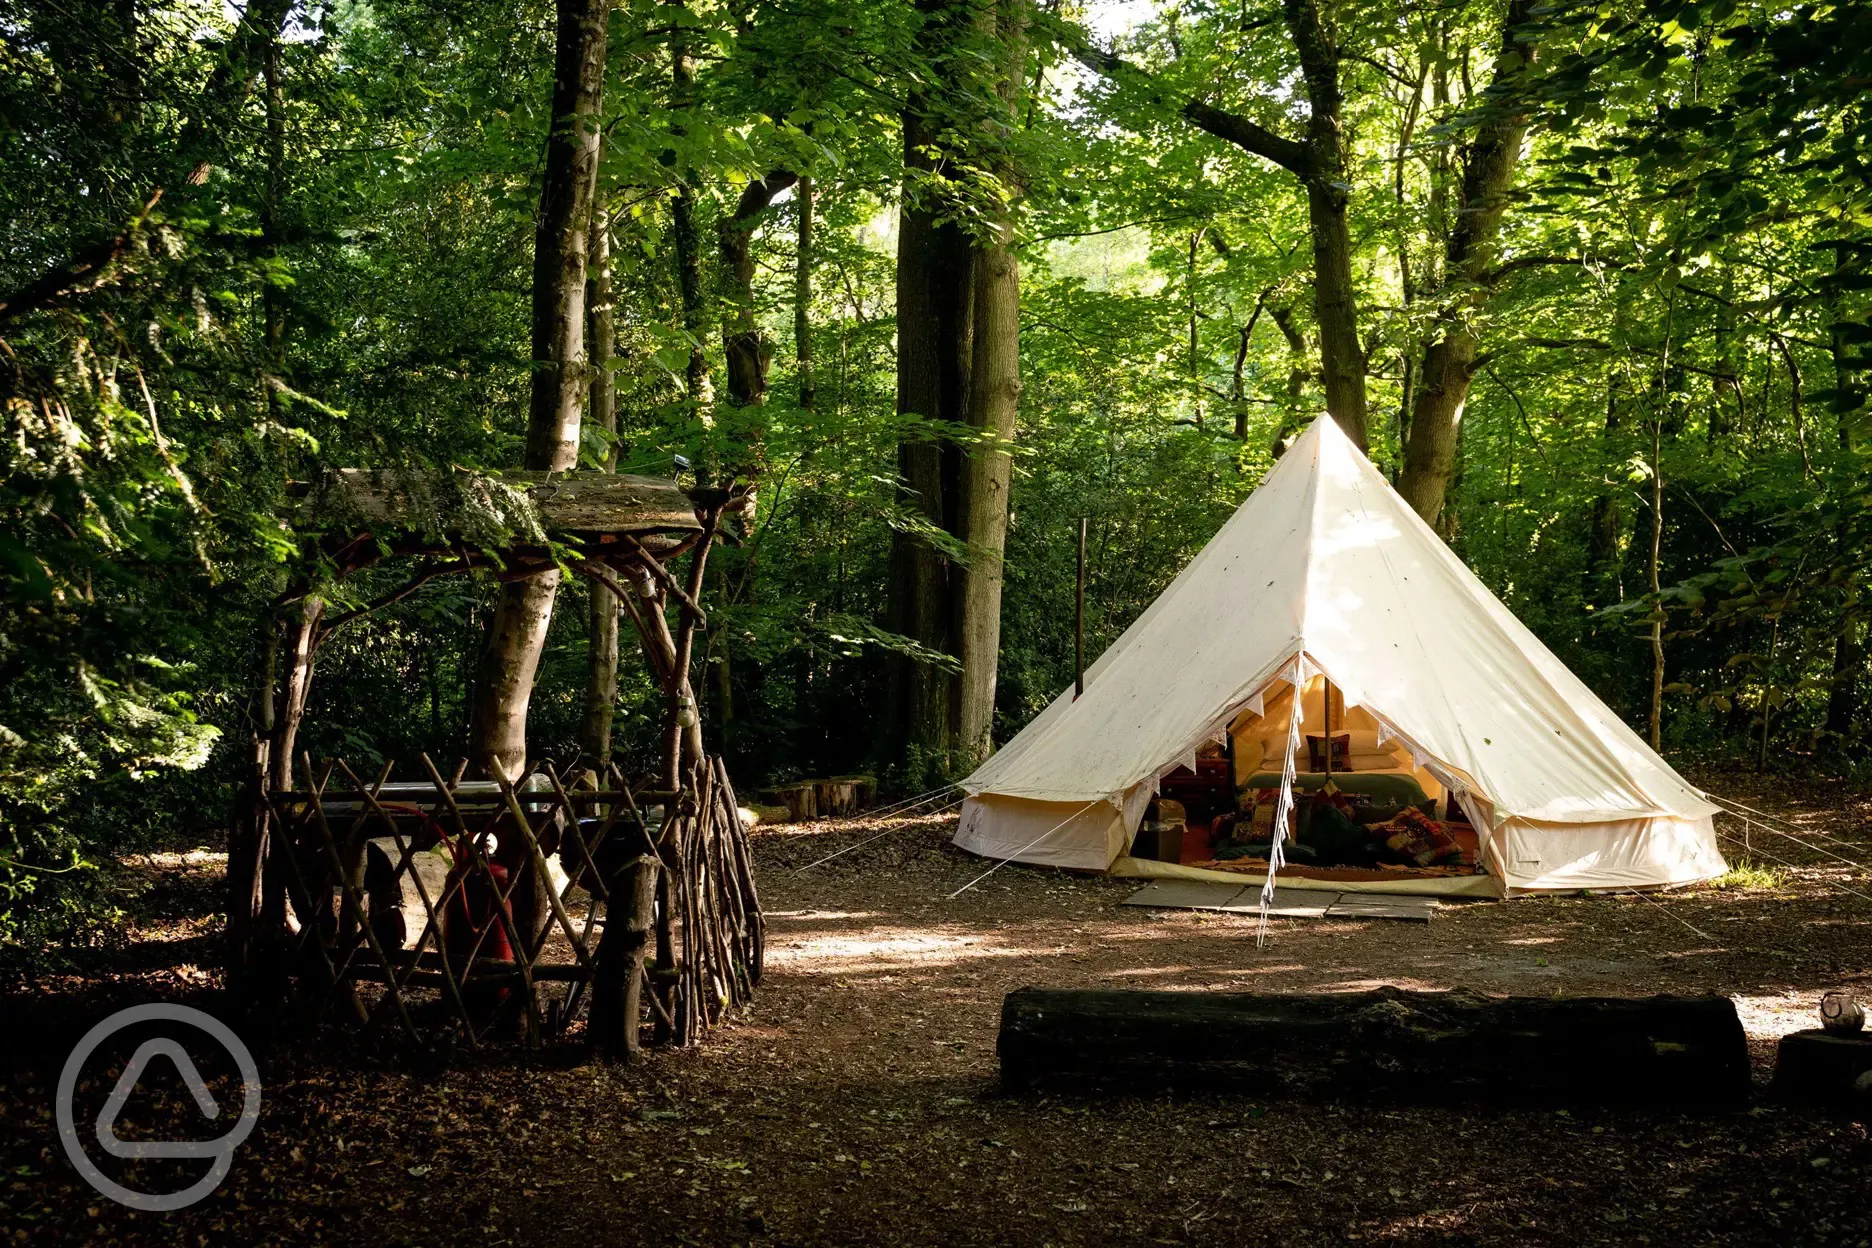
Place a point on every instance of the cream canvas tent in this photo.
(1325, 575)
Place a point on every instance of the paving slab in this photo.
(1288, 903)
(1185, 895)
(1383, 906)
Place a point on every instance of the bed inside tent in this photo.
(1365, 810)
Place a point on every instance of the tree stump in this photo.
(1819, 1067)
(865, 789)
(1393, 1044)
(618, 962)
(835, 797)
(801, 799)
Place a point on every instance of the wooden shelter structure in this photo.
(464, 908)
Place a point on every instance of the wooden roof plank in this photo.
(495, 510)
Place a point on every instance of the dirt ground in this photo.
(857, 1101)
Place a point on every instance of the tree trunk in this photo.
(1849, 657)
(935, 334)
(301, 637)
(743, 340)
(562, 237)
(1652, 575)
(1238, 386)
(1335, 311)
(1298, 355)
(1489, 166)
(601, 661)
(802, 294)
(497, 741)
(1849, 650)
(618, 961)
(522, 616)
(1391, 1043)
(987, 471)
(1194, 362)
(1604, 583)
(688, 240)
(1328, 186)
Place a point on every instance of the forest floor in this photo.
(857, 1101)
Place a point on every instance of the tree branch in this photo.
(90, 269)
(1234, 128)
(759, 194)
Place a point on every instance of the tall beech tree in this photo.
(601, 680)
(992, 411)
(958, 362)
(523, 611)
(1470, 273)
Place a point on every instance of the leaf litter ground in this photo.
(857, 1102)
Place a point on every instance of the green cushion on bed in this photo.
(1388, 792)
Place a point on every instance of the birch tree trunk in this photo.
(497, 740)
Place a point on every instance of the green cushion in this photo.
(1386, 790)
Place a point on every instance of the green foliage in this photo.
(337, 273)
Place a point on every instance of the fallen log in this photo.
(1392, 1044)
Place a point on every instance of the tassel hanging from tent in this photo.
(1283, 808)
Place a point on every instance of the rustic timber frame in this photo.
(431, 903)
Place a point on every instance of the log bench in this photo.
(1386, 1044)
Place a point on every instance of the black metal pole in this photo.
(1079, 617)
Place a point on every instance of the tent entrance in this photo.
(1365, 811)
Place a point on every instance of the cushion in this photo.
(1416, 839)
(1341, 752)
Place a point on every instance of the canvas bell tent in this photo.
(1326, 585)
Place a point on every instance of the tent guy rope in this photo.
(903, 820)
(1782, 862)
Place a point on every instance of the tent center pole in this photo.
(1079, 615)
(1327, 681)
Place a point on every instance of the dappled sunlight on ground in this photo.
(857, 1100)
(888, 947)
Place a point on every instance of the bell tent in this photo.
(1326, 584)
